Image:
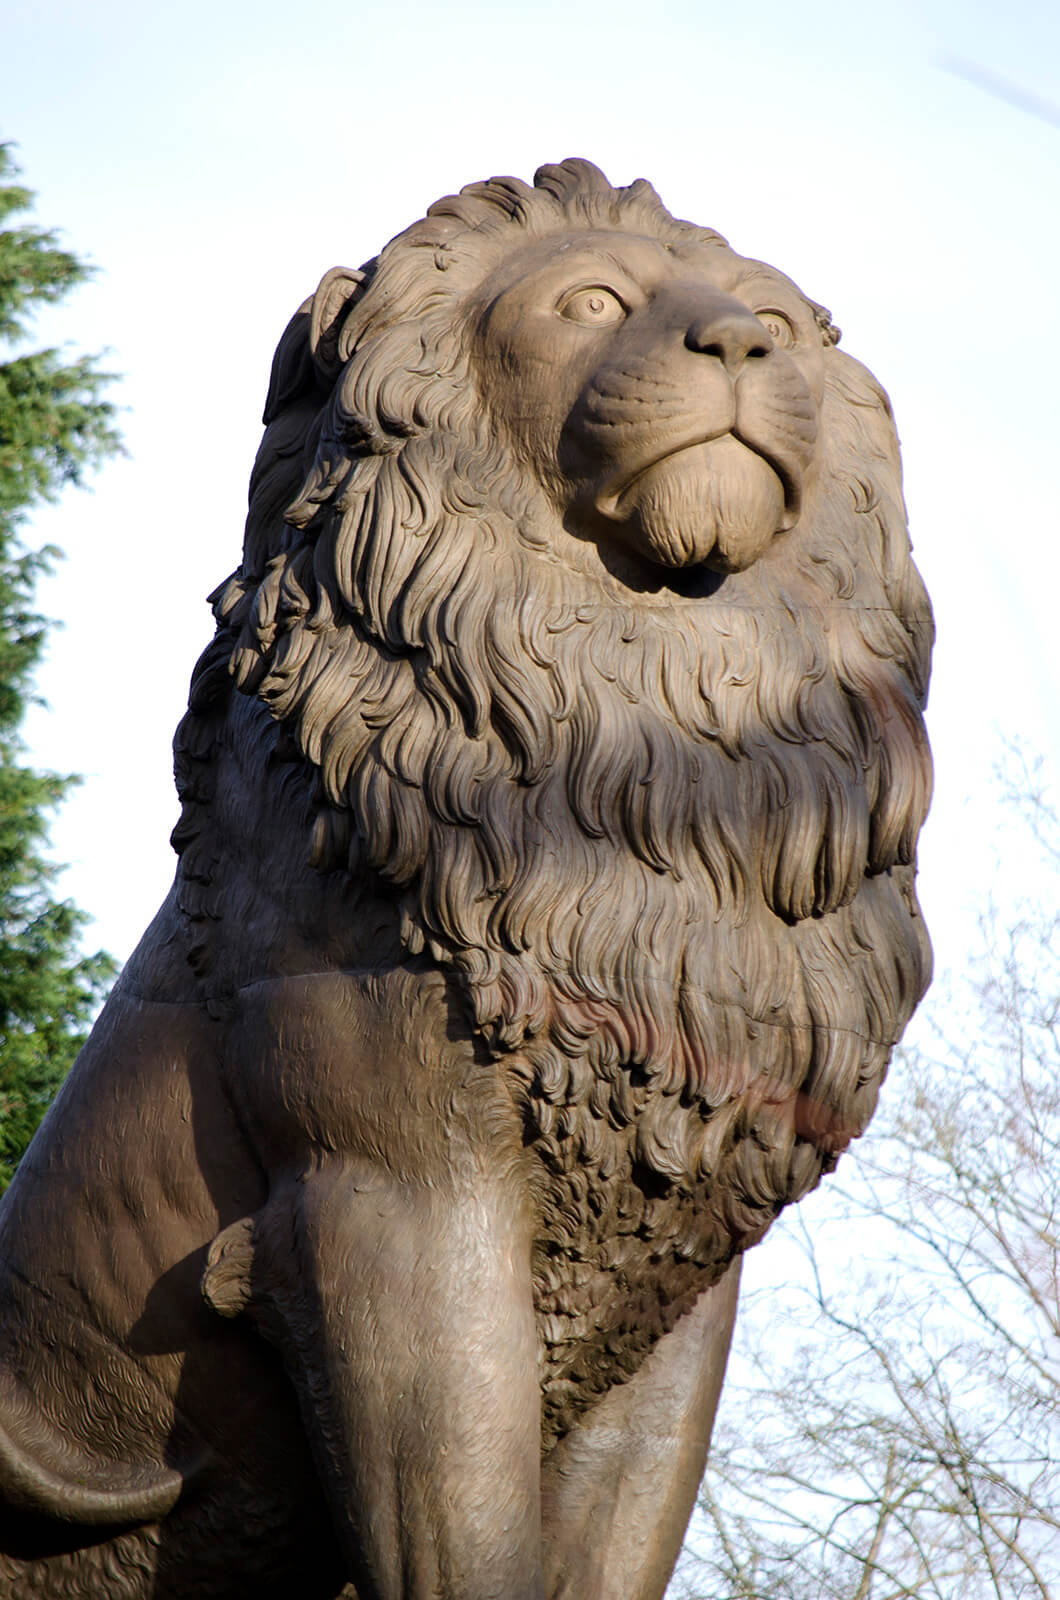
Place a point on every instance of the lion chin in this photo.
(716, 503)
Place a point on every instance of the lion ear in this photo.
(292, 366)
(308, 350)
(338, 288)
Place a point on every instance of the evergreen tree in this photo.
(53, 426)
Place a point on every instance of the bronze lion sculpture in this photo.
(544, 922)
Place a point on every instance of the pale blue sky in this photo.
(214, 160)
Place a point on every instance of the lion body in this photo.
(611, 911)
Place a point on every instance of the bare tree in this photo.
(892, 1424)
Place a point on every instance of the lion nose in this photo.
(733, 335)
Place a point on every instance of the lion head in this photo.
(588, 348)
(576, 564)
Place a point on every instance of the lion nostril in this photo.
(731, 337)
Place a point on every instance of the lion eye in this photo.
(594, 307)
(778, 327)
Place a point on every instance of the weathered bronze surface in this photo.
(544, 921)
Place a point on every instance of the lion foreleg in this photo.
(404, 1314)
(618, 1490)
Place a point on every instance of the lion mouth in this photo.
(613, 499)
(616, 499)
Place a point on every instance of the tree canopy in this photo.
(55, 425)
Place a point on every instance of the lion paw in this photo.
(226, 1279)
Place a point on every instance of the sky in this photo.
(213, 160)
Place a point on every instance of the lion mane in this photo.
(663, 838)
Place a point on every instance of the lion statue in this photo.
(544, 921)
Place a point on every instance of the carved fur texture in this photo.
(661, 834)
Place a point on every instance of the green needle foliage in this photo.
(54, 426)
